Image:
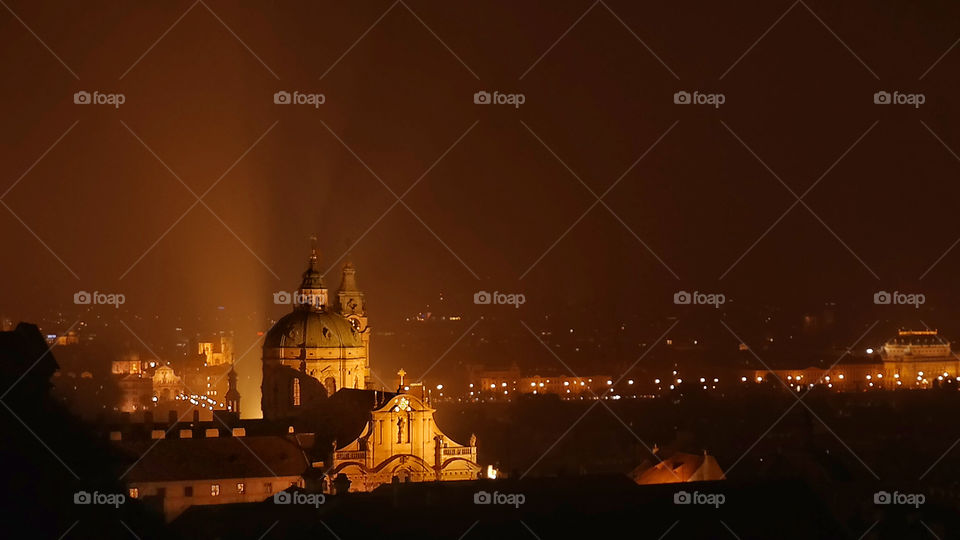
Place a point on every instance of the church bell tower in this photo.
(351, 304)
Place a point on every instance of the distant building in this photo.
(918, 357)
(70, 338)
(166, 384)
(216, 353)
(913, 359)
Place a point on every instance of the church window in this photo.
(296, 392)
(214, 490)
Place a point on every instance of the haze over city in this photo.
(605, 244)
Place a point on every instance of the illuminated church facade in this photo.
(402, 441)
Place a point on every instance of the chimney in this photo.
(171, 417)
(148, 418)
(196, 416)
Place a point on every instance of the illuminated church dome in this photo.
(312, 329)
(315, 341)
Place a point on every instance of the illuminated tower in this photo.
(351, 304)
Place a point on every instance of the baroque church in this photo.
(317, 358)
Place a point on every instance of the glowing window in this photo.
(241, 488)
(214, 490)
(296, 392)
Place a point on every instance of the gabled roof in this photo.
(678, 467)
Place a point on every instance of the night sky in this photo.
(694, 196)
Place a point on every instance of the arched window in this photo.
(296, 392)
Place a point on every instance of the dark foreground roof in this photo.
(565, 507)
(221, 457)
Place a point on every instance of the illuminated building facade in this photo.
(918, 357)
(401, 440)
(216, 353)
(915, 359)
(166, 384)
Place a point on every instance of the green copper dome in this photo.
(311, 329)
